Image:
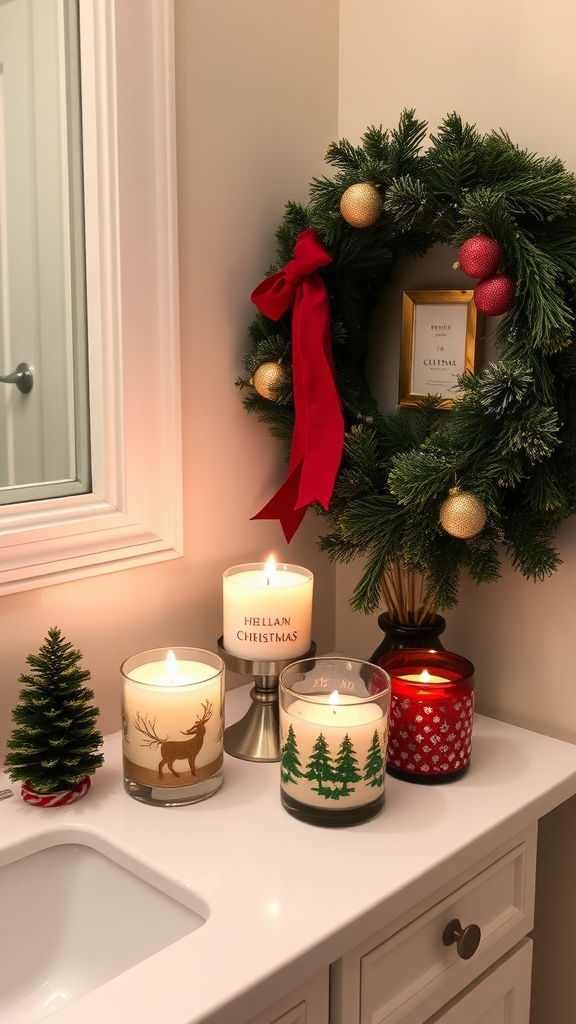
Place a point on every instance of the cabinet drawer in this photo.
(405, 972)
(500, 996)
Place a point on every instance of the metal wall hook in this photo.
(23, 378)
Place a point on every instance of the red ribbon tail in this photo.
(282, 505)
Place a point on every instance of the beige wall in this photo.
(509, 64)
(257, 106)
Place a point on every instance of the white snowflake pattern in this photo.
(436, 718)
(425, 768)
(428, 710)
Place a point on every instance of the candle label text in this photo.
(344, 684)
(250, 620)
(267, 638)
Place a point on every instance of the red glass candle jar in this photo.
(431, 714)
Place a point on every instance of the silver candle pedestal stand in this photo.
(256, 737)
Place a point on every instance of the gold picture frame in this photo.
(440, 340)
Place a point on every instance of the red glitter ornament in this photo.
(480, 256)
(494, 295)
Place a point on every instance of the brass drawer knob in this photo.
(467, 939)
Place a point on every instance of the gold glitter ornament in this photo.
(461, 514)
(361, 205)
(267, 378)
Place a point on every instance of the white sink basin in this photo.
(72, 919)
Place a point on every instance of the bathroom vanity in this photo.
(230, 911)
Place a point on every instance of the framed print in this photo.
(440, 340)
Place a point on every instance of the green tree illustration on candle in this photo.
(320, 767)
(373, 769)
(346, 769)
(290, 763)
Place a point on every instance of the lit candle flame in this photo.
(425, 676)
(171, 668)
(269, 570)
(334, 700)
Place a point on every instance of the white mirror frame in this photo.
(134, 513)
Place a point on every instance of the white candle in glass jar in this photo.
(172, 712)
(324, 731)
(267, 611)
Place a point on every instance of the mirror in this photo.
(44, 447)
(131, 511)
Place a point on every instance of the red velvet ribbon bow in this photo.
(318, 426)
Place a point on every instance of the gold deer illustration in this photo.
(176, 750)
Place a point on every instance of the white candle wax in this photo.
(172, 721)
(333, 742)
(267, 617)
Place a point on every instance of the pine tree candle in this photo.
(333, 734)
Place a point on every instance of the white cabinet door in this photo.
(308, 1004)
(500, 996)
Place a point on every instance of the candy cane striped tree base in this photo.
(65, 796)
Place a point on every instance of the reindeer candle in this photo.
(172, 723)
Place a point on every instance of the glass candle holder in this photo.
(333, 737)
(173, 725)
(267, 611)
(431, 714)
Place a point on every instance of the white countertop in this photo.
(284, 898)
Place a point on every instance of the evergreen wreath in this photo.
(509, 441)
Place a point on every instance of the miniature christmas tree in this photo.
(53, 746)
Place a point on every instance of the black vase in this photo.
(399, 637)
